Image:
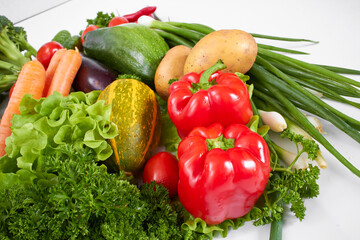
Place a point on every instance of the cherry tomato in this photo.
(88, 29)
(163, 168)
(117, 21)
(11, 90)
(46, 52)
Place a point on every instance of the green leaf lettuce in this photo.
(44, 125)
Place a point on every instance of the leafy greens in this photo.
(45, 125)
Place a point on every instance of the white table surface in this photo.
(336, 24)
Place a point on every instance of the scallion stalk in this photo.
(305, 96)
(175, 39)
(259, 73)
(315, 68)
(287, 39)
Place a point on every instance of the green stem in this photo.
(273, 48)
(9, 66)
(280, 169)
(193, 26)
(275, 158)
(6, 81)
(177, 40)
(29, 48)
(186, 33)
(220, 142)
(328, 93)
(323, 114)
(292, 110)
(205, 76)
(272, 104)
(312, 99)
(276, 228)
(10, 52)
(294, 70)
(282, 38)
(296, 158)
(340, 69)
(315, 68)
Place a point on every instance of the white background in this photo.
(336, 24)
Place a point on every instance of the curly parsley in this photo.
(86, 202)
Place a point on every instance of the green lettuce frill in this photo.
(46, 125)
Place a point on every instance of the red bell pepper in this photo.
(208, 97)
(222, 171)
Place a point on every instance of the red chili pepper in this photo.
(133, 17)
(222, 172)
(209, 97)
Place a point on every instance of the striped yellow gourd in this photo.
(136, 112)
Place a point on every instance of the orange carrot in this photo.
(50, 71)
(4, 133)
(31, 80)
(65, 73)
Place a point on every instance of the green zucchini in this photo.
(128, 49)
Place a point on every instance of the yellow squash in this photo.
(136, 112)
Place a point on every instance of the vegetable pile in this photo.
(138, 128)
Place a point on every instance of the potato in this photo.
(170, 67)
(236, 48)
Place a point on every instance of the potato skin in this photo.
(170, 67)
(236, 48)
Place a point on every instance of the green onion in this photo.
(343, 89)
(183, 32)
(340, 69)
(255, 35)
(315, 68)
(273, 48)
(193, 26)
(175, 39)
(260, 73)
(295, 70)
(305, 97)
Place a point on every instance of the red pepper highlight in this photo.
(222, 171)
(208, 97)
(146, 11)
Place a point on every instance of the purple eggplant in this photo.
(93, 75)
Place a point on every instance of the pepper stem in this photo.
(204, 79)
(220, 142)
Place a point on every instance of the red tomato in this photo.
(11, 90)
(163, 168)
(88, 29)
(47, 51)
(117, 21)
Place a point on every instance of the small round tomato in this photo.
(88, 29)
(11, 90)
(117, 21)
(47, 51)
(163, 169)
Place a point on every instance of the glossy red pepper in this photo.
(146, 11)
(208, 97)
(222, 171)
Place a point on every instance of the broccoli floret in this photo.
(4, 21)
(18, 36)
(9, 52)
(13, 41)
